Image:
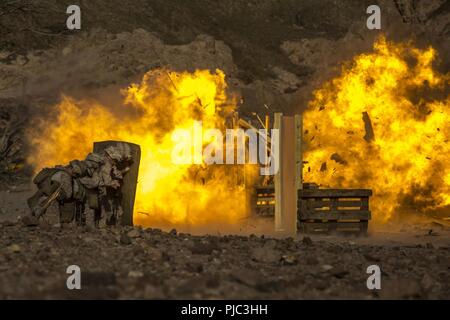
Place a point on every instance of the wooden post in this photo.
(285, 179)
(298, 151)
(277, 179)
(130, 180)
(299, 161)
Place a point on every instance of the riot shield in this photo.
(130, 179)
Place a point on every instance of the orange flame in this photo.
(384, 124)
(168, 194)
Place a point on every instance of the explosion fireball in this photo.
(384, 124)
(168, 194)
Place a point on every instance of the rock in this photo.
(8, 223)
(43, 255)
(412, 12)
(445, 262)
(88, 228)
(247, 276)
(319, 284)
(271, 243)
(312, 261)
(153, 292)
(133, 234)
(125, 239)
(339, 272)
(307, 241)
(97, 279)
(427, 282)
(309, 52)
(165, 256)
(212, 280)
(203, 248)
(14, 248)
(327, 267)
(372, 257)
(89, 239)
(30, 221)
(155, 254)
(288, 260)
(135, 274)
(265, 255)
(45, 226)
(400, 289)
(194, 267)
(190, 286)
(66, 51)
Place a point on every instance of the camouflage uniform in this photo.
(87, 191)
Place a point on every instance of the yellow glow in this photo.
(406, 162)
(168, 194)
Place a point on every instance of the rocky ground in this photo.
(128, 263)
(153, 264)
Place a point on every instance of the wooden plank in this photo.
(268, 187)
(265, 206)
(317, 203)
(265, 194)
(260, 191)
(334, 193)
(344, 203)
(265, 199)
(344, 227)
(325, 203)
(335, 215)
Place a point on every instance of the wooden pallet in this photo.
(334, 210)
(333, 226)
(265, 201)
(323, 210)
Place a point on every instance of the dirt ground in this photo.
(152, 264)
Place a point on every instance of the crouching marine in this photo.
(86, 191)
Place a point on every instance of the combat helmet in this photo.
(121, 152)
